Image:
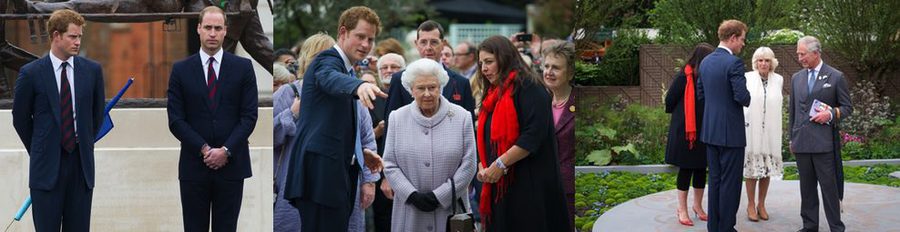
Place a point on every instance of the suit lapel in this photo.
(567, 118)
(199, 82)
(47, 78)
(82, 78)
(220, 81)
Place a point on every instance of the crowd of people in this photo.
(479, 127)
(729, 121)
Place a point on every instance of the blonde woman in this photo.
(762, 157)
(311, 47)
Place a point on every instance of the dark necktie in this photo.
(68, 116)
(211, 80)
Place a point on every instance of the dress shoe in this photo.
(763, 214)
(752, 215)
(702, 216)
(684, 221)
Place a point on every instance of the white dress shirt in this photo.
(70, 74)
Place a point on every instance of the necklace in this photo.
(560, 104)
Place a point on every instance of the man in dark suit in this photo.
(212, 110)
(429, 42)
(57, 112)
(723, 86)
(812, 137)
(327, 156)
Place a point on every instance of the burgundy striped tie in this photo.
(211, 81)
(68, 117)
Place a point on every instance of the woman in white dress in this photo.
(762, 157)
(428, 142)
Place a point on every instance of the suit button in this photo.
(427, 164)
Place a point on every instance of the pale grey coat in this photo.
(421, 154)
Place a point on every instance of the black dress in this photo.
(677, 152)
(534, 200)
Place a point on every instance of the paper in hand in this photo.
(818, 106)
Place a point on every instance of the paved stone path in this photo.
(866, 208)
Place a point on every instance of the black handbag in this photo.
(462, 222)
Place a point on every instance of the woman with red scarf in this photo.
(684, 149)
(522, 189)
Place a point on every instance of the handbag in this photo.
(462, 222)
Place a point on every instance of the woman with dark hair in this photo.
(522, 190)
(683, 149)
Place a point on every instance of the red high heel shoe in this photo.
(687, 221)
(703, 217)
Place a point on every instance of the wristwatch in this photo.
(227, 152)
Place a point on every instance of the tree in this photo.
(554, 19)
(689, 22)
(866, 33)
(296, 20)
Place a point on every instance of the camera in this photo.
(524, 37)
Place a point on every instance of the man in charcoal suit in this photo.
(813, 136)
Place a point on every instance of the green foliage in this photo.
(550, 17)
(597, 193)
(690, 22)
(296, 20)
(867, 33)
(878, 174)
(618, 133)
(871, 112)
(781, 37)
(620, 65)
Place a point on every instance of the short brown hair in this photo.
(60, 20)
(430, 25)
(390, 45)
(212, 9)
(350, 17)
(731, 27)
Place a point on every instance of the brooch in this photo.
(572, 109)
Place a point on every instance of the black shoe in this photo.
(807, 230)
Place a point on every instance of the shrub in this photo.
(620, 64)
(870, 111)
(597, 193)
(878, 174)
(616, 132)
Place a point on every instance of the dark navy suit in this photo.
(724, 88)
(61, 183)
(322, 178)
(194, 122)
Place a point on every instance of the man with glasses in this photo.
(429, 42)
(464, 59)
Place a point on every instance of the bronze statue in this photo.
(244, 27)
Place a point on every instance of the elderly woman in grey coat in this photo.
(429, 141)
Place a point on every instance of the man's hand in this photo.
(367, 92)
(821, 117)
(386, 189)
(367, 195)
(379, 130)
(216, 158)
(373, 161)
(204, 151)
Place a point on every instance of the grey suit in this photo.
(816, 145)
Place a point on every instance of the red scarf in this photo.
(504, 133)
(690, 117)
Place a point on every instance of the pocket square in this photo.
(826, 85)
(823, 77)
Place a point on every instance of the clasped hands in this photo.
(214, 158)
(491, 174)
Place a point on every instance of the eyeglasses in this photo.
(462, 54)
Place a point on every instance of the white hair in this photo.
(812, 44)
(391, 56)
(281, 73)
(423, 67)
(765, 53)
